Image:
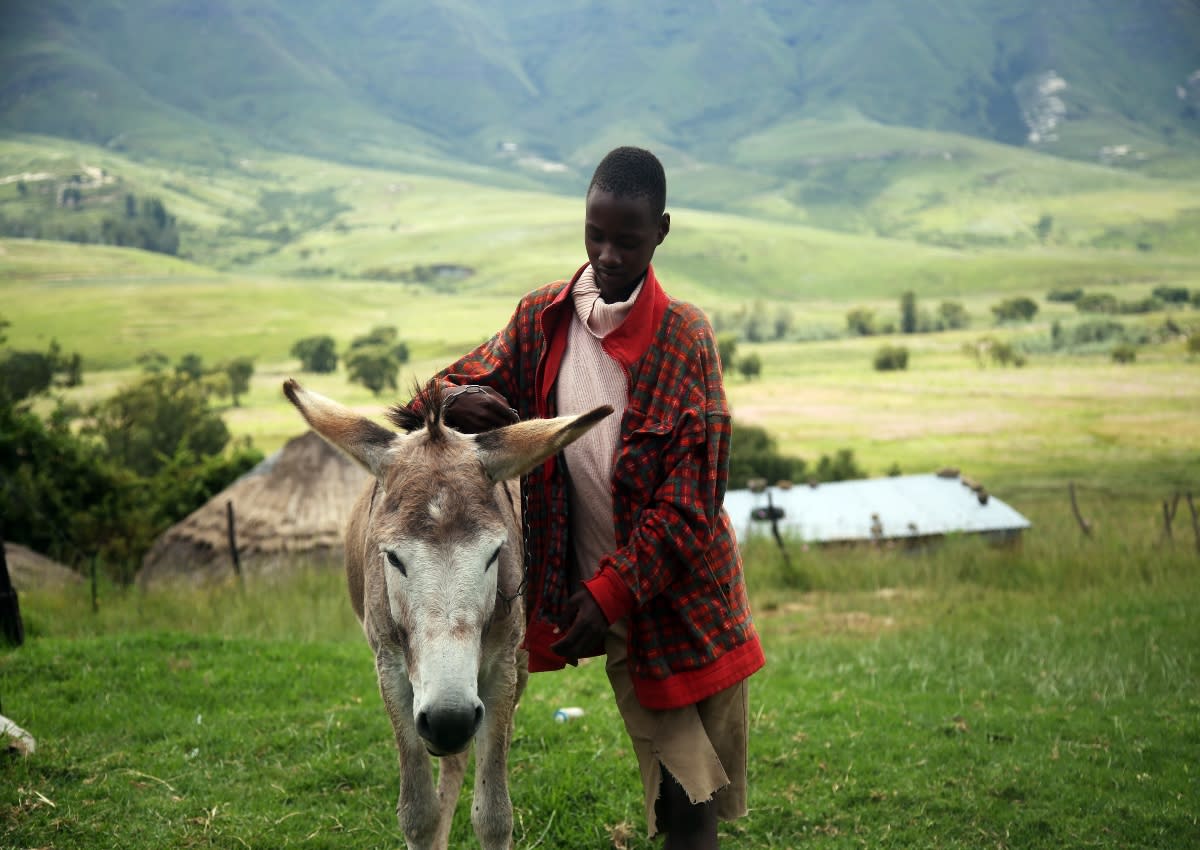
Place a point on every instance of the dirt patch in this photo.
(855, 623)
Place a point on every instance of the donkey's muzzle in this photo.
(449, 730)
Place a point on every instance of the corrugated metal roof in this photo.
(876, 508)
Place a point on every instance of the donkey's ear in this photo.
(357, 436)
(513, 450)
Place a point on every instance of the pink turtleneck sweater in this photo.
(589, 377)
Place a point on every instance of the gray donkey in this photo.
(434, 562)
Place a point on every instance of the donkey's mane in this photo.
(424, 411)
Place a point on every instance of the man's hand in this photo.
(585, 638)
(474, 409)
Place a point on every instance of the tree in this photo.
(65, 494)
(28, 373)
(953, 315)
(841, 467)
(383, 335)
(191, 365)
(373, 366)
(152, 361)
(146, 423)
(753, 454)
(1172, 294)
(755, 329)
(750, 366)
(908, 313)
(727, 350)
(783, 322)
(1020, 309)
(1043, 227)
(239, 370)
(860, 321)
(316, 354)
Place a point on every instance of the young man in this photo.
(629, 551)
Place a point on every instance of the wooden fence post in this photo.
(233, 548)
(1169, 509)
(1195, 519)
(1084, 525)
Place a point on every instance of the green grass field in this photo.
(1042, 697)
(1039, 697)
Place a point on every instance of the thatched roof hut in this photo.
(30, 570)
(290, 508)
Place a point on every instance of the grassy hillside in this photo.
(284, 247)
(389, 82)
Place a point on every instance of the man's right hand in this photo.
(473, 409)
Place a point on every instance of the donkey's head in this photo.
(440, 536)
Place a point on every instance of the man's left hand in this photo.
(585, 637)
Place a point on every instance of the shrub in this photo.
(1018, 309)
(1124, 353)
(860, 321)
(1172, 294)
(1096, 330)
(998, 352)
(952, 315)
(750, 366)
(1141, 305)
(1193, 343)
(1064, 296)
(753, 454)
(841, 467)
(891, 358)
(1097, 302)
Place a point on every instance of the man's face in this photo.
(620, 235)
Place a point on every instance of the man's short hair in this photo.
(629, 172)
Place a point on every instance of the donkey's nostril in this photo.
(449, 730)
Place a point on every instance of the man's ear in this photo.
(664, 227)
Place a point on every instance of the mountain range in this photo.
(546, 86)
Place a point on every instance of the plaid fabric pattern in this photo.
(677, 572)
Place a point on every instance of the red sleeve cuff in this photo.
(610, 594)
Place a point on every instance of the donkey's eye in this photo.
(495, 557)
(394, 560)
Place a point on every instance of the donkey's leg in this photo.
(491, 809)
(417, 807)
(451, 770)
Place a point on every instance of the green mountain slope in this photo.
(386, 80)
